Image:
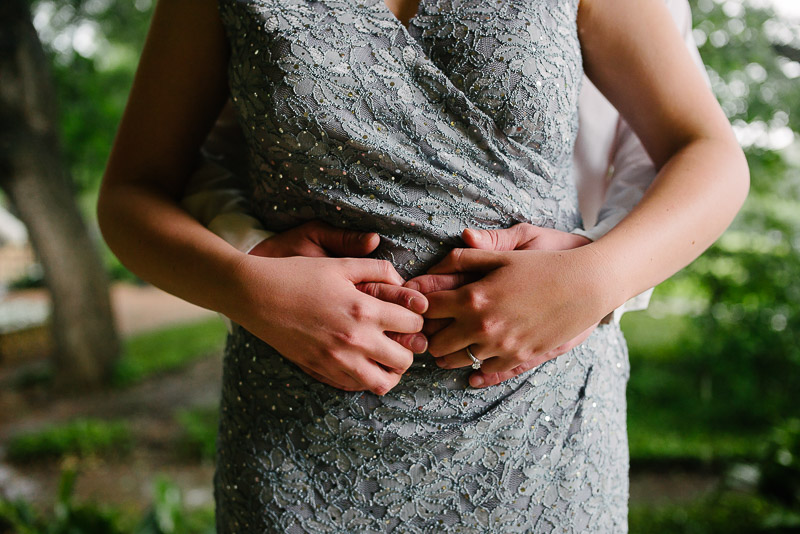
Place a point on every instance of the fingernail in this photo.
(365, 237)
(474, 234)
(476, 381)
(419, 345)
(417, 305)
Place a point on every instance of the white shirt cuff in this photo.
(241, 231)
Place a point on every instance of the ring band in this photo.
(476, 363)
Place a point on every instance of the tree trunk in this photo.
(32, 174)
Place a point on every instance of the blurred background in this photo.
(108, 425)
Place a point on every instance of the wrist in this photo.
(249, 291)
(602, 278)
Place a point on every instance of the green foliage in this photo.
(92, 81)
(81, 437)
(67, 517)
(199, 432)
(171, 348)
(167, 515)
(780, 466)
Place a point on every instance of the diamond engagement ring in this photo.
(476, 363)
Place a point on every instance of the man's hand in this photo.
(522, 236)
(317, 239)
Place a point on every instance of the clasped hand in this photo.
(511, 298)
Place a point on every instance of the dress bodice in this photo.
(466, 118)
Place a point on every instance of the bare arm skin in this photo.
(309, 309)
(642, 66)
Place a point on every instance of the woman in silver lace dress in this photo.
(464, 118)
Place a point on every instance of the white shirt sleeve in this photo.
(216, 194)
(216, 198)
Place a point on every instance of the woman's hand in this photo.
(311, 311)
(521, 236)
(316, 239)
(528, 306)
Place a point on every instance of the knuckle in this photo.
(519, 359)
(385, 267)
(361, 376)
(381, 388)
(484, 328)
(455, 255)
(341, 338)
(408, 359)
(475, 299)
(508, 345)
(360, 311)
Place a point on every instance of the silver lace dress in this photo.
(466, 118)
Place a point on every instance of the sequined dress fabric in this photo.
(466, 118)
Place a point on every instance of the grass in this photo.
(79, 437)
(168, 349)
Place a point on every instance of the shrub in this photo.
(81, 437)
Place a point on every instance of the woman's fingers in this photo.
(460, 358)
(368, 270)
(483, 378)
(389, 317)
(416, 343)
(450, 340)
(344, 382)
(499, 239)
(376, 379)
(432, 326)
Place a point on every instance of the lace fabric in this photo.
(464, 119)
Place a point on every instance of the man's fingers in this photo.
(416, 343)
(443, 305)
(461, 260)
(429, 283)
(403, 296)
(345, 243)
(451, 339)
(432, 326)
(500, 239)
